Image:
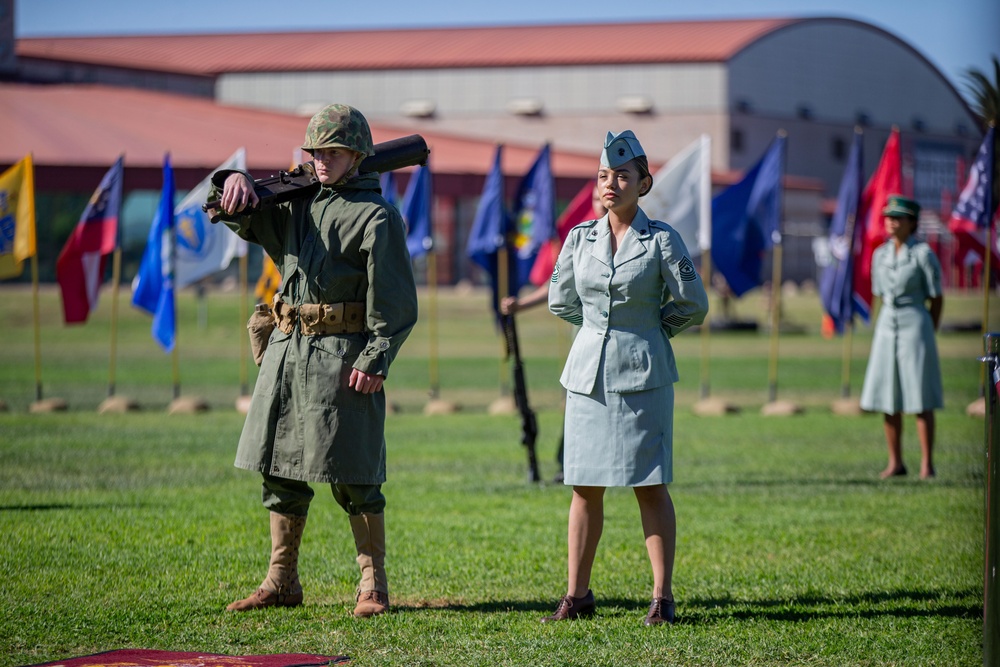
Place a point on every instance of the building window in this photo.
(736, 140)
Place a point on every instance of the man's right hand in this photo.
(238, 194)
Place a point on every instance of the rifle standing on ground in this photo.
(529, 424)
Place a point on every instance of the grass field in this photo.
(135, 530)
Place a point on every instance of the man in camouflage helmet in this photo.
(346, 304)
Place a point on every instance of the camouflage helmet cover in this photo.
(339, 125)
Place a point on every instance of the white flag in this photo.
(682, 195)
(203, 248)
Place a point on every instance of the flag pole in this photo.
(776, 258)
(706, 263)
(705, 211)
(845, 373)
(502, 285)
(772, 384)
(987, 260)
(176, 367)
(174, 354)
(116, 268)
(244, 299)
(37, 325)
(432, 295)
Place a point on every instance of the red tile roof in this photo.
(90, 125)
(505, 46)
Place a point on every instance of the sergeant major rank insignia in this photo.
(686, 269)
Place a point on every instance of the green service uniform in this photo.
(345, 244)
(904, 373)
(620, 371)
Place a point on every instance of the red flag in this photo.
(580, 209)
(869, 230)
(80, 267)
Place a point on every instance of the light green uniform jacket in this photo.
(344, 244)
(629, 305)
(904, 372)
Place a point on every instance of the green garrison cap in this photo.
(899, 206)
(620, 148)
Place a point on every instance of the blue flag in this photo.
(836, 284)
(387, 181)
(975, 205)
(416, 210)
(489, 228)
(153, 288)
(746, 220)
(534, 222)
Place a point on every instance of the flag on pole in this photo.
(153, 287)
(81, 264)
(416, 211)
(746, 220)
(387, 183)
(17, 217)
(204, 248)
(975, 209)
(886, 180)
(580, 209)
(836, 285)
(534, 216)
(489, 227)
(681, 195)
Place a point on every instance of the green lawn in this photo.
(135, 530)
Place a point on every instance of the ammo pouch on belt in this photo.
(319, 319)
(260, 325)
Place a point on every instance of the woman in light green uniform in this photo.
(346, 304)
(630, 284)
(904, 374)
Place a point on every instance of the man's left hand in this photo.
(364, 383)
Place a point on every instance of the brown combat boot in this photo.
(373, 590)
(281, 587)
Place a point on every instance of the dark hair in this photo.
(642, 165)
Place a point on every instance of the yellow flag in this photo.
(269, 281)
(17, 217)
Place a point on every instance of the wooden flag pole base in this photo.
(118, 405)
(714, 407)
(187, 405)
(437, 406)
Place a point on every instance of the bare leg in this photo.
(893, 425)
(586, 522)
(659, 525)
(925, 432)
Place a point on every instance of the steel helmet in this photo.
(339, 125)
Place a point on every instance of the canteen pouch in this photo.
(260, 325)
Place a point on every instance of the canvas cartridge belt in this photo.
(320, 319)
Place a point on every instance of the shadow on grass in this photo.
(706, 611)
(902, 604)
(913, 482)
(68, 506)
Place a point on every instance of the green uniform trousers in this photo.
(289, 496)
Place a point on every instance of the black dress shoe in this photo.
(661, 610)
(571, 607)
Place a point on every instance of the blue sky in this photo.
(955, 35)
